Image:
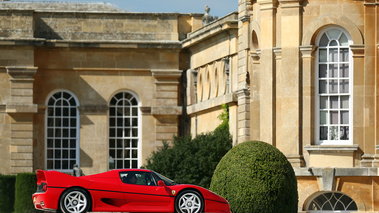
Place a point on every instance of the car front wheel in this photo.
(189, 201)
(74, 200)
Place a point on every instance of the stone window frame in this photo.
(349, 141)
(331, 201)
(119, 140)
(67, 131)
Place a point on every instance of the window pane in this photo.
(334, 34)
(333, 133)
(324, 40)
(334, 117)
(344, 54)
(112, 143)
(135, 111)
(323, 133)
(323, 102)
(344, 86)
(344, 102)
(343, 40)
(323, 117)
(333, 55)
(344, 71)
(333, 86)
(322, 71)
(134, 153)
(334, 102)
(333, 71)
(50, 153)
(127, 111)
(323, 55)
(344, 117)
(322, 87)
(333, 43)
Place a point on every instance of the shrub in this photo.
(7, 187)
(193, 161)
(256, 177)
(26, 184)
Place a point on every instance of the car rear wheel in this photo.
(189, 201)
(74, 200)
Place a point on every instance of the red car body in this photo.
(108, 192)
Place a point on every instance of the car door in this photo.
(142, 193)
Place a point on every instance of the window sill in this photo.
(331, 148)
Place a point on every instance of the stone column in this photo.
(289, 83)
(369, 106)
(243, 92)
(358, 100)
(21, 110)
(255, 97)
(191, 87)
(308, 103)
(243, 115)
(267, 70)
(166, 110)
(376, 160)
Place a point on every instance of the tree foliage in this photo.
(256, 177)
(192, 161)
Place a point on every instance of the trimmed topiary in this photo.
(256, 177)
(26, 184)
(7, 186)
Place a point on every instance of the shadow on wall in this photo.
(85, 159)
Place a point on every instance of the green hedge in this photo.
(7, 188)
(26, 185)
(256, 177)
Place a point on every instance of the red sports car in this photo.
(123, 190)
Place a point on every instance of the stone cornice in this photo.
(211, 103)
(166, 74)
(338, 172)
(308, 51)
(21, 72)
(267, 4)
(225, 24)
(358, 50)
(331, 148)
(133, 44)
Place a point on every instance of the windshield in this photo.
(166, 180)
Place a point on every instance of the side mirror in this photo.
(161, 183)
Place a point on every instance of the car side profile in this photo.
(122, 190)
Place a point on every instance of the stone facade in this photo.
(269, 62)
(92, 52)
(275, 92)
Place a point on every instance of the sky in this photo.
(219, 8)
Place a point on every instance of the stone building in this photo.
(90, 84)
(302, 76)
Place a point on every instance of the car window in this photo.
(138, 178)
(166, 180)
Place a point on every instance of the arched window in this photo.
(332, 202)
(334, 81)
(123, 131)
(62, 132)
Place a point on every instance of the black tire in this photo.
(74, 200)
(189, 201)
